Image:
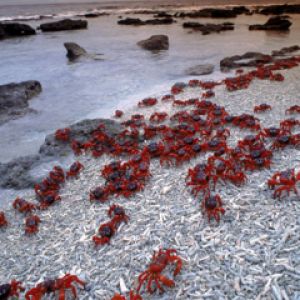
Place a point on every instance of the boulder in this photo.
(238, 61)
(14, 99)
(200, 70)
(155, 43)
(280, 9)
(210, 13)
(139, 22)
(15, 174)
(286, 50)
(74, 51)
(66, 24)
(274, 23)
(162, 14)
(208, 28)
(81, 132)
(241, 10)
(96, 15)
(8, 30)
(131, 21)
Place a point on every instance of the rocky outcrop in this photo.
(14, 99)
(96, 15)
(66, 24)
(241, 10)
(274, 23)
(208, 28)
(17, 173)
(139, 22)
(238, 61)
(286, 50)
(74, 51)
(200, 70)
(211, 13)
(253, 59)
(280, 9)
(8, 30)
(81, 132)
(155, 43)
(163, 14)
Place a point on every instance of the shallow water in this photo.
(88, 89)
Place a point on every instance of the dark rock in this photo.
(274, 23)
(163, 14)
(81, 132)
(66, 24)
(74, 51)
(285, 50)
(253, 58)
(280, 9)
(200, 70)
(131, 21)
(208, 28)
(139, 22)
(15, 174)
(241, 10)
(210, 13)
(155, 43)
(15, 30)
(96, 15)
(14, 99)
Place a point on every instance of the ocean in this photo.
(93, 89)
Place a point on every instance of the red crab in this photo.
(289, 124)
(293, 109)
(208, 94)
(212, 205)
(262, 107)
(286, 181)
(219, 168)
(63, 134)
(155, 149)
(119, 113)
(57, 175)
(129, 188)
(48, 200)
(31, 224)
(270, 132)
(77, 147)
(158, 117)
(199, 178)
(74, 170)
(132, 296)
(167, 98)
(3, 221)
(253, 164)
(106, 232)
(117, 213)
(178, 87)
(99, 194)
(52, 285)
(23, 206)
(285, 139)
(236, 175)
(11, 289)
(160, 260)
(147, 102)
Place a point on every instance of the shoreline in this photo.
(14, 10)
(64, 243)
